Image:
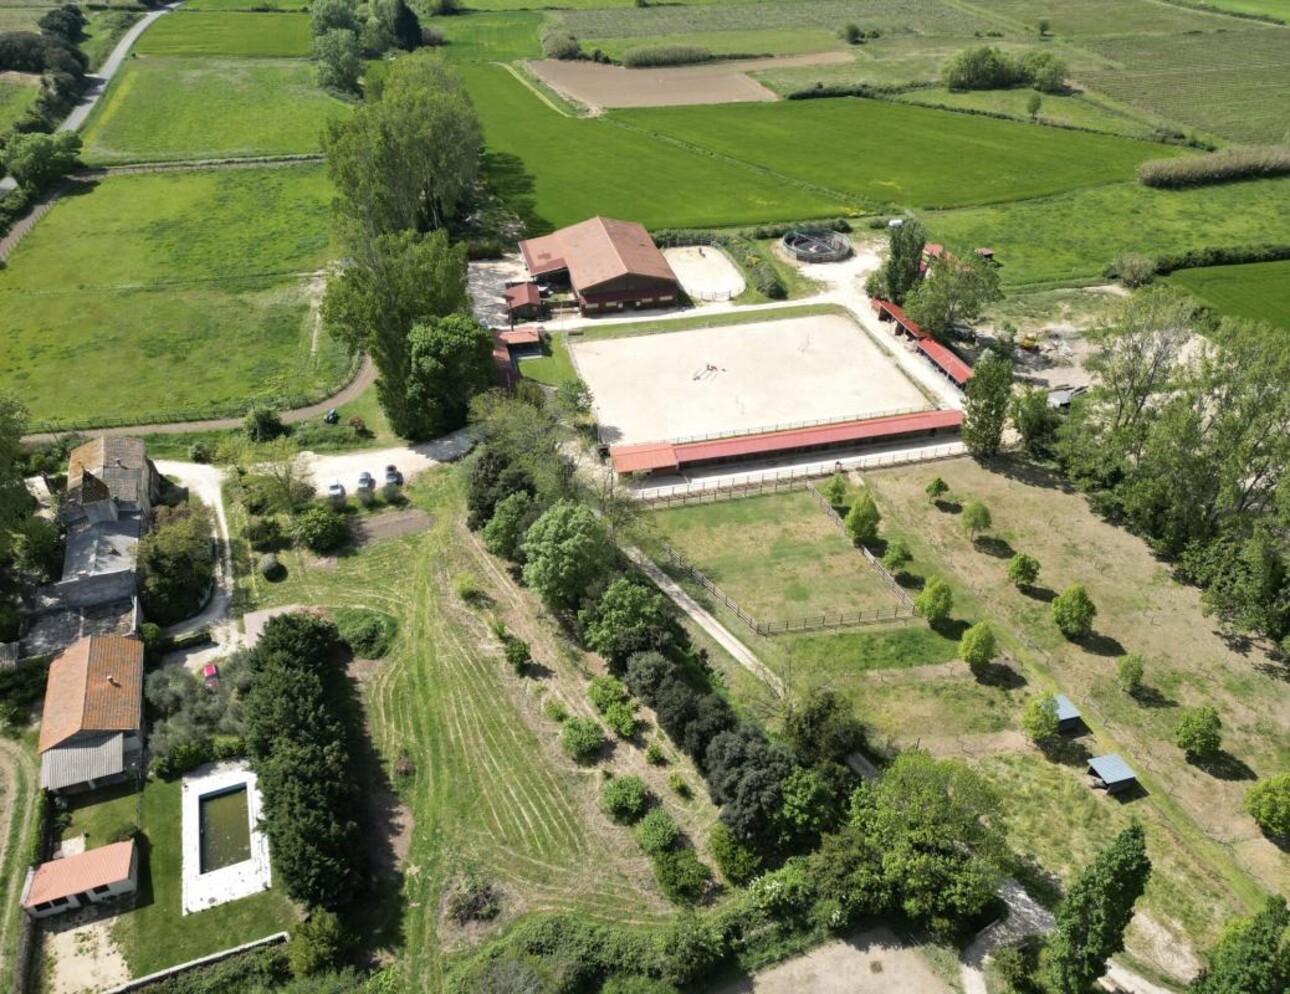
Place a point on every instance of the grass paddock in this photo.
(234, 35)
(1259, 291)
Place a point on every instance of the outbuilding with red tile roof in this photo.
(91, 877)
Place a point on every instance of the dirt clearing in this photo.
(747, 377)
(391, 524)
(705, 272)
(80, 955)
(872, 962)
(601, 86)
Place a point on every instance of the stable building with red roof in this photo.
(608, 265)
(91, 877)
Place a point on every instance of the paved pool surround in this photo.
(207, 890)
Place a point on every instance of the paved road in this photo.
(98, 82)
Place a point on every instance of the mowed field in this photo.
(236, 35)
(1260, 291)
(1073, 237)
(17, 93)
(779, 556)
(170, 291)
(555, 170)
(177, 109)
(476, 37)
(491, 790)
(885, 153)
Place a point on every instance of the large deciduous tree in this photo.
(406, 161)
(630, 618)
(1098, 907)
(1268, 803)
(403, 280)
(565, 552)
(38, 160)
(987, 398)
(902, 268)
(957, 289)
(450, 360)
(1252, 955)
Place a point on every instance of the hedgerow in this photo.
(1224, 166)
(666, 55)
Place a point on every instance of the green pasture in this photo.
(1072, 238)
(778, 556)
(164, 292)
(891, 17)
(490, 788)
(1279, 9)
(1259, 291)
(21, 18)
(1097, 18)
(230, 34)
(475, 37)
(892, 154)
(1234, 84)
(175, 109)
(15, 98)
(752, 41)
(1070, 111)
(555, 170)
(301, 6)
(154, 934)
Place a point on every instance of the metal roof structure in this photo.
(1066, 711)
(86, 758)
(1111, 769)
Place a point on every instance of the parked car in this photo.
(332, 417)
(335, 489)
(393, 476)
(210, 676)
(366, 481)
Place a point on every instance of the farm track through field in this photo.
(534, 89)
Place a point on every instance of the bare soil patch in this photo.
(705, 272)
(80, 955)
(600, 86)
(870, 962)
(390, 524)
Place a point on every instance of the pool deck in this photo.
(206, 890)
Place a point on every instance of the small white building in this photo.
(91, 877)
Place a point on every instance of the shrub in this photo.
(321, 529)
(555, 710)
(897, 556)
(368, 633)
(199, 452)
(982, 68)
(262, 424)
(1223, 166)
(270, 568)
(835, 491)
(1073, 612)
(1135, 270)
(657, 832)
(679, 785)
(582, 739)
(467, 587)
(123, 833)
(504, 533)
(936, 489)
(681, 876)
(852, 34)
(624, 799)
(473, 899)
(1010, 964)
(1023, 570)
(606, 691)
(863, 519)
(738, 862)
(1039, 719)
(1268, 803)
(517, 653)
(654, 755)
(978, 645)
(317, 944)
(263, 534)
(1200, 732)
(1128, 672)
(665, 55)
(560, 45)
(621, 717)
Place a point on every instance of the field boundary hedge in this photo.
(1210, 255)
(1226, 166)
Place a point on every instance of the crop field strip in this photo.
(203, 273)
(233, 35)
(483, 794)
(1259, 291)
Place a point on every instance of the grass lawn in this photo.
(777, 555)
(175, 109)
(170, 290)
(551, 370)
(491, 788)
(1071, 238)
(237, 35)
(154, 934)
(943, 159)
(556, 170)
(15, 97)
(475, 37)
(1260, 290)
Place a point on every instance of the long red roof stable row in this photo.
(656, 456)
(945, 360)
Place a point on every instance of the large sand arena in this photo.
(599, 86)
(705, 272)
(715, 381)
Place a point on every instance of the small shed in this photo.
(523, 302)
(1068, 716)
(1111, 773)
(91, 877)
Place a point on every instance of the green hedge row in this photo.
(1225, 166)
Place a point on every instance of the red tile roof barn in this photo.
(77, 874)
(525, 334)
(944, 359)
(655, 456)
(95, 685)
(597, 251)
